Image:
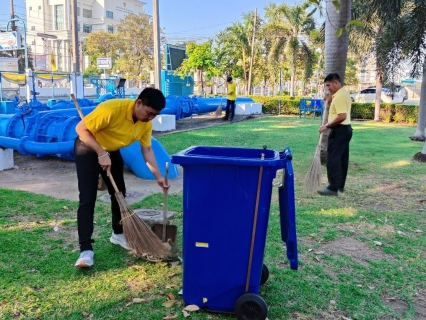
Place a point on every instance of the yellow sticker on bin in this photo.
(202, 244)
(204, 300)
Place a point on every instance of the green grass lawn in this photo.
(361, 256)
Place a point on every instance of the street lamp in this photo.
(25, 38)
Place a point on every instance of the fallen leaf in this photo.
(371, 287)
(172, 275)
(170, 316)
(319, 252)
(128, 304)
(332, 302)
(171, 296)
(55, 228)
(316, 258)
(138, 300)
(174, 263)
(171, 286)
(309, 250)
(418, 231)
(400, 232)
(377, 243)
(65, 207)
(191, 307)
(185, 314)
(169, 303)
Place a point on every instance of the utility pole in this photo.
(252, 51)
(74, 37)
(12, 16)
(157, 56)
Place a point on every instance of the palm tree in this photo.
(336, 50)
(407, 33)
(289, 28)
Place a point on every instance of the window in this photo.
(32, 28)
(110, 29)
(87, 13)
(59, 17)
(78, 26)
(110, 14)
(78, 11)
(39, 7)
(31, 8)
(87, 28)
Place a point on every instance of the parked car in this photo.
(369, 95)
(402, 92)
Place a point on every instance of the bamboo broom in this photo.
(139, 237)
(314, 174)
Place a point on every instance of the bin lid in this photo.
(229, 156)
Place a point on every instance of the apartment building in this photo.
(49, 27)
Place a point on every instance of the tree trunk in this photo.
(336, 50)
(378, 99)
(293, 75)
(419, 135)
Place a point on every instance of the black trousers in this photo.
(88, 170)
(338, 156)
(230, 109)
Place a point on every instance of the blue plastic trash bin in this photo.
(226, 200)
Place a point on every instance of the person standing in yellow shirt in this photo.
(112, 125)
(230, 102)
(339, 121)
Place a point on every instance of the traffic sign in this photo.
(10, 41)
(104, 63)
(45, 35)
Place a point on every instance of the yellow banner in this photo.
(14, 77)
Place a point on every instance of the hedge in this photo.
(389, 112)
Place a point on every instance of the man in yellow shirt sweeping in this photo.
(230, 102)
(339, 121)
(112, 125)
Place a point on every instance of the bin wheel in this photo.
(250, 306)
(265, 274)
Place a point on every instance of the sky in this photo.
(183, 20)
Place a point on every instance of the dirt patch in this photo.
(357, 250)
(400, 306)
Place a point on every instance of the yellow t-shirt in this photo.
(111, 123)
(341, 103)
(232, 88)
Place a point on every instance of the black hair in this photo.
(333, 76)
(229, 79)
(153, 98)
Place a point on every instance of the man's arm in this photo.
(89, 140)
(338, 120)
(149, 156)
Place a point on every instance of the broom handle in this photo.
(113, 183)
(165, 202)
(77, 106)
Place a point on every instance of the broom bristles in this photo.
(138, 234)
(313, 176)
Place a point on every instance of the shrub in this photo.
(362, 111)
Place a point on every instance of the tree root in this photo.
(420, 157)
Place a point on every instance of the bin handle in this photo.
(286, 154)
(253, 233)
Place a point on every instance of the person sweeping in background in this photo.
(112, 125)
(230, 102)
(339, 121)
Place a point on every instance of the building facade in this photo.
(49, 27)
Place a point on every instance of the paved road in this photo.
(412, 101)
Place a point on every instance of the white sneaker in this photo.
(119, 239)
(85, 260)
